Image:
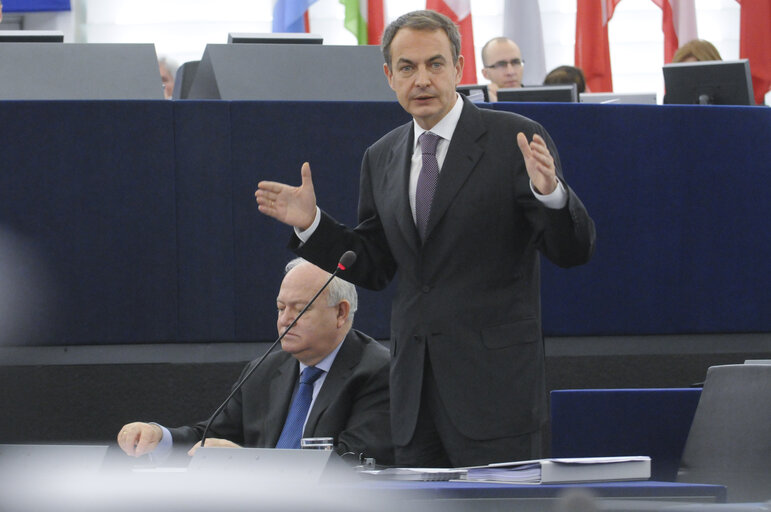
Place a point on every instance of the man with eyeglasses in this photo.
(503, 65)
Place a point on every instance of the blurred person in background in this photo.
(696, 50)
(503, 65)
(567, 75)
(168, 70)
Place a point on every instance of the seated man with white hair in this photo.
(349, 401)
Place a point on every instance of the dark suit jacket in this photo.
(469, 296)
(352, 406)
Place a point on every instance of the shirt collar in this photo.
(445, 127)
(326, 363)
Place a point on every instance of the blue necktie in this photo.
(429, 175)
(293, 426)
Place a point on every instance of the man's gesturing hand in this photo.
(295, 206)
(539, 163)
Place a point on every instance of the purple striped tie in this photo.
(429, 175)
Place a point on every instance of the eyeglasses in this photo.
(503, 64)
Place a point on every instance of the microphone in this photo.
(346, 261)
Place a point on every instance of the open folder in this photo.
(554, 471)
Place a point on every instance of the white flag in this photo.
(522, 24)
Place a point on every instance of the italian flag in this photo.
(365, 19)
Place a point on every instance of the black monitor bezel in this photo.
(716, 82)
(567, 93)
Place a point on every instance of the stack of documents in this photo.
(416, 474)
(553, 471)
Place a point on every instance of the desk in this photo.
(483, 496)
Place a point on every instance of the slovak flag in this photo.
(459, 11)
(289, 15)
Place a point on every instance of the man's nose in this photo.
(285, 318)
(423, 77)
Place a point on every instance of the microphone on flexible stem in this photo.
(346, 260)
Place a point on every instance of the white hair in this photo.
(339, 289)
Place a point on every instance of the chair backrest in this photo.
(616, 422)
(184, 79)
(730, 439)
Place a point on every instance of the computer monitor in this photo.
(541, 93)
(274, 38)
(717, 82)
(31, 36)
(476, 93)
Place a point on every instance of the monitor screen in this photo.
(476, 93)
(31, 36)
(542, 93)
(715, 82)
(275, 38)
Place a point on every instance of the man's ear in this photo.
(343, 308)
(459, 69)
(486, 73)
(389, 76)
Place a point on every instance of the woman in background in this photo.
(696, 50)
(566, 75)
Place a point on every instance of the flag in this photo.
(755, 43)
(592, 52)
(289, 15)
(459, 11)
(35, 5)
(678, 22)
(522, 24)
(366, 19)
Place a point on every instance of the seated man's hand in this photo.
(137, 439)
(213, 442)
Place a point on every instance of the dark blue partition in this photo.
(620, 422)
(679, 195)
(135, 221)
(204, 202)
(271, 140)
(89, 187)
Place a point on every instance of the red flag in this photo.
(459, 11)
(678, 22)
(375, 21)
(592, 53)
(755, 43)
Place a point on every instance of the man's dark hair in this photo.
(421, 20)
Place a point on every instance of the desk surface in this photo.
(477, 490)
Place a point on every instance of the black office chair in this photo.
(729, 442)
(184, 80)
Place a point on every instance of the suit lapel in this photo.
(398, 189)
(345, 361)
(281, 388)
(462, 156)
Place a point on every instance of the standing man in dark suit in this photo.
(467, 370)
(349, 398)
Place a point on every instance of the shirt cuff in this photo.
(556, 200)
(163, 450)
(305, 235)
